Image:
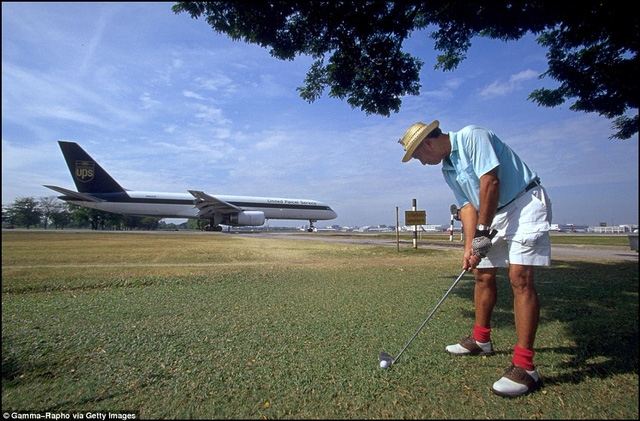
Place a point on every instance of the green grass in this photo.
(590, 239)
(222, 326)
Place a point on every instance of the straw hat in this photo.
(414, 136)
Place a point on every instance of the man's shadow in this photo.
(597, 306)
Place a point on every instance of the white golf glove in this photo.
(482, 243)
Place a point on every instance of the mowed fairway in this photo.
(233, 326)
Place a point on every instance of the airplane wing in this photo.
(209, 205)
(76, 195)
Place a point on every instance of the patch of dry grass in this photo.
(34, 261)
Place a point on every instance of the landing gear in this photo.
(311, 227)
(212, 226)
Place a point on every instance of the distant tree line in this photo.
(50, 212)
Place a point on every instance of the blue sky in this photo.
(164, 103)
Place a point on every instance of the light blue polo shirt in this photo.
(474, 152)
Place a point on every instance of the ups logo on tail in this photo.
(85, 170)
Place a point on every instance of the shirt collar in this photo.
(447, 163)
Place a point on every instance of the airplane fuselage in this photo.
(181, 205)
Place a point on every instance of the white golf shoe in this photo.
(517, 381)
(469, 346)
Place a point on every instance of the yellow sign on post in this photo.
(415, 217)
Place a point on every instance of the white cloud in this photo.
(267, 85)
(502, 88)
(524, 76)
(270, 141)
(20, 169)
(58, 96)
(148, 102)
(191, 94)
(446, 91)
(100, 25)
(198, 149)
(64, 113)
(217, 82)
(166, 74)
(210, 115)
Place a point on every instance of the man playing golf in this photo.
(506, 216)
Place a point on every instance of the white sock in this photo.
(486, 346)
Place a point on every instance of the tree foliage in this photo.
(49, 206)
(357, 46)
(24, 212)
(28, 212)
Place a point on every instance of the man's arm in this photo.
(469, 219)
(489, 195)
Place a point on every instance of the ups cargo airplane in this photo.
(98, 190)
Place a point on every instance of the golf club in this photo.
(386, 360)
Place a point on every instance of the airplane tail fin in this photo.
(88, 176)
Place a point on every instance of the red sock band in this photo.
(481, 333)
(523, 357)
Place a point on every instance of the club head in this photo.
(385, 360)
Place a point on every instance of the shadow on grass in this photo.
(15, 373)
(597, 306)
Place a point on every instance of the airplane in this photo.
(98, 190)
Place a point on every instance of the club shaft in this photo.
(431, 314)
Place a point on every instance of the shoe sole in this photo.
(471, 354)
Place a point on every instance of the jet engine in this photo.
(250, 218)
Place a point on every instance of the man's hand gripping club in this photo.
(479, 248)
(482, 243)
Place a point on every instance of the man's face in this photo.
(428, 153)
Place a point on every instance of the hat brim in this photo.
(417, 139)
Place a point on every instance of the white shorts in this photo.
(523, 232)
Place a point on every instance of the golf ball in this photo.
(384, 364)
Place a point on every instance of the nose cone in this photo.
(325, 212)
